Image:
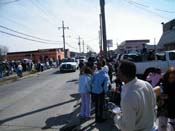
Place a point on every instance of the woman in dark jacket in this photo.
(168, 98)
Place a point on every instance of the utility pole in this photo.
(155, 45)
(117, 47)
(63, 27)
(83, 46)
(102, 8)
(79, 43)
(100, 35)
(100, 41)
(87, 48)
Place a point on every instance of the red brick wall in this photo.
(36, 56)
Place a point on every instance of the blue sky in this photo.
(125, 19)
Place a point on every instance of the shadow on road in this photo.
(65, 72)
(35, 111)
(56, 121)
(61, 120)
(70, 120)
(75, 96)
(73, 80)
(57, 72)
(100, 126)
(89, 127)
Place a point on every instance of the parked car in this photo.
(68, 64)
(162, 60)
(83, 58)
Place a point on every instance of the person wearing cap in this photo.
(100, 83)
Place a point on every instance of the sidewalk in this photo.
(75, 124)
(14, 77)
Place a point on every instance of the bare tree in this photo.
(3, 52)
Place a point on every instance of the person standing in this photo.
(138, 101)
(1, 69)
(144, 52)
(84, 90)
(166, 106)
(100, 83)
(81, 64)
(110, 66)
(20, 70)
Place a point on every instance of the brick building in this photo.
(38, 55)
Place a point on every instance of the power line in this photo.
(9, 2)
(71, 46)
(35, 40)
(20, 23)
(12, 21)
(27, 34)
(45, 15)
(10, 34)
(166, 11)
(133, 2)
(147, 6)
(45, 12)
(21, 37)
(27, 12)
(44, 9)
(143, 8)
(92, 39)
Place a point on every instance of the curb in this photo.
(34, 74)
(16, 78)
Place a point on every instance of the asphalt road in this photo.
(39, 102)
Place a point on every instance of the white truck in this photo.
(162, 61)
(68, 64)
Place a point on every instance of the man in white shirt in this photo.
(138, 101)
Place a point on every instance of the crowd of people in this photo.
(8, 68)
(93, 84)
(142, 102)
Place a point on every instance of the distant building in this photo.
(75, 54)
(130, 46)
(38, 55)
(167, 40)
(154, 47)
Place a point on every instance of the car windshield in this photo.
(68, 60)
(82, 57)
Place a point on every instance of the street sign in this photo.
(109, 43)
